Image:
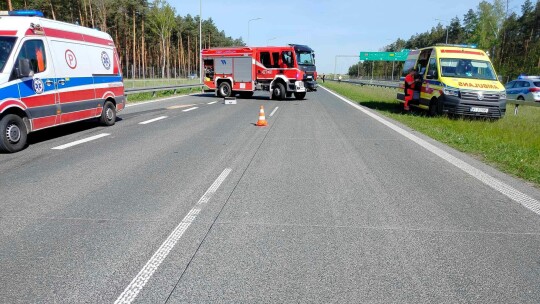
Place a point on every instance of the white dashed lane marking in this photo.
(190, 109)
(152, 120)
(271, 114)
(78, 142)
(137, 284)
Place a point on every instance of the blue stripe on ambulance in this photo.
(10, 91)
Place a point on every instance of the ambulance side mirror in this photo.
(24, 68)
(431, 74)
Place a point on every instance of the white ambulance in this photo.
(54, 73)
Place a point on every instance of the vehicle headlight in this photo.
(451, 91)
(502, 95)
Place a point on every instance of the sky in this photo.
(337, 30)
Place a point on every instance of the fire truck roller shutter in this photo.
(223, 65)
(242, 69)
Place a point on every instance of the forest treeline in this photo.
(152, 39)
(512, 39)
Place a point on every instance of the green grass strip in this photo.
(512, 144)
(140, 97)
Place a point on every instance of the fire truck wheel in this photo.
(300, 95)
(13, 133)
(108, 115)
(279, 91)
(224, 89)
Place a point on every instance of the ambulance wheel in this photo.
(300, 95)
(108, 115)
(279, 91)
(435, 107)
(224, 89)
(13, 133)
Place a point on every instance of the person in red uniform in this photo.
(410, 82)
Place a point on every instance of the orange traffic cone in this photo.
(262, 120)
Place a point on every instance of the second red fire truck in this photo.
(283, 71)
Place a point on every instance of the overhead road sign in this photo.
(384, 56)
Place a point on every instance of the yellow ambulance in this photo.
(456, 79)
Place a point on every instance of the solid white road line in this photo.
(62, 147)
(274, 111)
(152, 120)
(517, 196)
(190, 109)
(137, 284)
(212, 102)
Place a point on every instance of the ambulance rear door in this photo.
(105, 70)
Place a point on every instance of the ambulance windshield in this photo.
(305, 58)
(6, 46)
(467, 68)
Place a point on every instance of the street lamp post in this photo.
(200, 44)
(249, 21)
(446, 28)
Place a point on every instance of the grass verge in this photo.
(140, 97)
(511, 144)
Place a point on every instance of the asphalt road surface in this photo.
(187, 201)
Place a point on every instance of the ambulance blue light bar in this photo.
(26, 13)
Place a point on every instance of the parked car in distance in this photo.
(525, 88)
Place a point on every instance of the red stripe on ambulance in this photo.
(80, 115)
(43, 122)
(462, 52)
(8, 33)
(78, 95)
(76, 36)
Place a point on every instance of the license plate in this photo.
(479, 110)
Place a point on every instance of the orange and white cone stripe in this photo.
(262, 119)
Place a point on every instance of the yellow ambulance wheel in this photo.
(435, 107)
(108, 115)
(13, 133)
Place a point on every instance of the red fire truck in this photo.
(283, 71)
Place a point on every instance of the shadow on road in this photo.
(55, 132)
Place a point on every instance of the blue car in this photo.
(525, 88)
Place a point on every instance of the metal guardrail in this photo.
(395, 85)
(161, 88)
(522, 102)
(376, 83)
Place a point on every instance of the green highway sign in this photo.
(384, 56)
